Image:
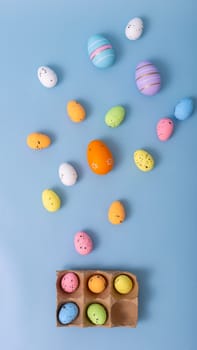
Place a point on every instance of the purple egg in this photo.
(147, 78)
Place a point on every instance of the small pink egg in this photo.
(83, 243)
(69, 282)
(165, 127)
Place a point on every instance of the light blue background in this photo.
(158, 239)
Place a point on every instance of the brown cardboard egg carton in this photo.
(122, 309)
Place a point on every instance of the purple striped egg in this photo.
(147, 78)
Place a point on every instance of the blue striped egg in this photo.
(100, 51)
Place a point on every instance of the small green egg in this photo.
(97, 314)
(115, 116)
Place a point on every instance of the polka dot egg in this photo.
(69, 282)
(83, 243)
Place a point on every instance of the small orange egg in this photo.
(97, 284)
(38, 141)
(99, 157)
(76, 111)
(116, 213)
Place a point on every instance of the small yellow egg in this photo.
(76, 111)
(50, 200)
(123, 284)
(116, 213)
(143, 160)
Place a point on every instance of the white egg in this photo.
(47, 76)
(67, 174)
(134, 29)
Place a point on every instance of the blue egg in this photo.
(68, 312)
(184, 108)
(100, 51)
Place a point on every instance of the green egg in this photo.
(97, 314)
(115, 116)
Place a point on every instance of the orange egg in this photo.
(99, 157)
(76, 111)
(38, 141)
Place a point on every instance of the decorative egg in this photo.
(100, 51)
(143, 160)
(47, 76)
(83, 243)
(165, 127)
(115, 116)
(50, 200)
(123, 284)
(134, 29)
(184, 108)
(116, 213)
(67, 174)
(97, 284)
(99, 157)
(97, 314)
(76, 111)
(68, 312)
(147, 78)
(38, 141)
(69, 282)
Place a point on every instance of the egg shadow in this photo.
(147, 26)
(79, 170)
(127, 206)
(115, 149)
(60, 192)
(87, 106)
(164, 70)
(155, 154)
(116, 45)
(59, 71)
(50, 134)
(94, 237)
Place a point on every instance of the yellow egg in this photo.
(97, 284)
(116, 213)
(143, 160)
(123, 284)
(50, 200)
(76, 111)
(38, 141)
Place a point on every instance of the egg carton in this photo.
(122, 309)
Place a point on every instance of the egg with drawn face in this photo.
(67, 174)
(50, 200)
(99, 157)
(143, 160)
(97, 314)
(165, 127)
(83, 243)
(134, 29)
(47, 76)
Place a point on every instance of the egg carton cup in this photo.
(122, 309)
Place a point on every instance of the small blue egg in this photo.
(68, 312)
(184, 108)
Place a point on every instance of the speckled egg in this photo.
(147, 78)
(97, 283)
(99, 157)
(47, 76)
(68, 312)
(165, 127)
(143, 160)
(67, 174)
(123, 284)
(184, 108)
(69, 282)
(116, 213)
(76, 111)
(50, 200)
(38, 141)
(115, 116)
(100, 51)
(134, 29)
(83, 243)
(97, 314)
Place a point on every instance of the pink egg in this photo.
(165, 127)
(83, 243)
(69, 282)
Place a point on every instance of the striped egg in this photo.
(100, 51)
(147, 78)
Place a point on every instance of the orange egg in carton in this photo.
(89, 298)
